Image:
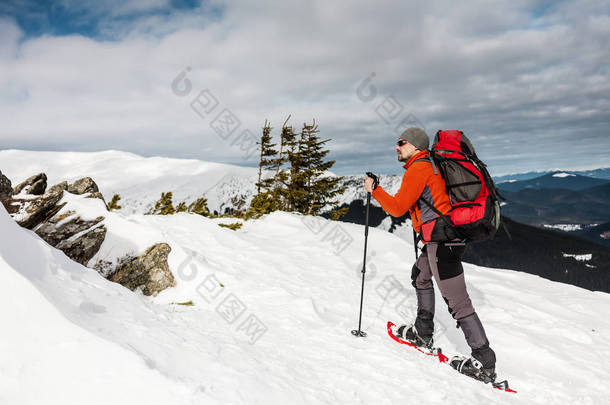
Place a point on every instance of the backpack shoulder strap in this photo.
(428, 159)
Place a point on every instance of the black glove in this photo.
(375, 179)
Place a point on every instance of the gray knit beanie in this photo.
(416, 137)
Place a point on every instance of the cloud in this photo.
(521, 79)
(10, 34)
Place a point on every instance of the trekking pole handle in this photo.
(375, 179)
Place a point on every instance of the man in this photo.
(439, 260)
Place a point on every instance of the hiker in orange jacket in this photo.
(439, 260)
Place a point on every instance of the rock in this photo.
(6, 190)
(31, 212)
(37, 188)
(63, 186)
(35, 185)
(149, 271)
(83, 248)
(56, 229)
(79, 239)
(83, 186)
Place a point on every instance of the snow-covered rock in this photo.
(31, 210)
(79, 239)
(148, 272)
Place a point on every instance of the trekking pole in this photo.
(359, 332)
(415, 240)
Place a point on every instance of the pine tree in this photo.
(164, 206)
(199, 206)
(319, 189)
(267, 160)
(300, 182)
(181, 207)
(264, 201)
(286, 167)
(261, 204)
(114, 203)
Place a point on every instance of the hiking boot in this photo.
(473, 368)
(409, 333)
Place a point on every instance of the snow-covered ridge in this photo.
(563, 174)
(138, 180)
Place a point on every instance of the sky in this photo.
(527, 81)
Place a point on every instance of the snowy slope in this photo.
(297, 279)
(138, 180)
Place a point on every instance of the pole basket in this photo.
(359, 333)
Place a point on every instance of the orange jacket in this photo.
(419, 178)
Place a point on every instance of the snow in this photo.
(563, 174)
(565, 227)
(569, 227)
(70, 336)
(580, 258)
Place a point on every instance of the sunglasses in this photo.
(401, 142)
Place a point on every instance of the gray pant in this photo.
(444, 263)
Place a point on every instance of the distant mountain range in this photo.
(558, 205)
(553, 180)
(565, 201)
(602, 173)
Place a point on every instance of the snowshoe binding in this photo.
(409, 333)
(473, 368)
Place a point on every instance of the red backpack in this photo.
(475, 213)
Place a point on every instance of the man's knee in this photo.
(418, 281)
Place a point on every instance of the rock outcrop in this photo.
(63, 186)
(80, 240)
(31, 212)
(86, 185)
(6, 190)
(35, 185)
(148, 272)
(83, 186)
